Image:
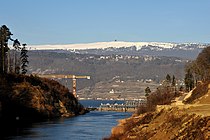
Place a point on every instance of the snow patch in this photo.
(114, 44)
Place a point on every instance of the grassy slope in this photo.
(190, 121)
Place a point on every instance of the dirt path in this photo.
(200, 108)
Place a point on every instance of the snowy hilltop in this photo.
(184, 50)
(118, 44)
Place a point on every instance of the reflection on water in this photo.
(94, 125)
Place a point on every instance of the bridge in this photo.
(129, 105)
(63, 76)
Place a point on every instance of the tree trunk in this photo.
(2, 59)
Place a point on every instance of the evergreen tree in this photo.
(203, 62)
(167, 81)
(5, 36)
(24, 59)
(16, 45)
(173, 81)
(147, 91)
(200, 68)
(168, 78)
(189, 80)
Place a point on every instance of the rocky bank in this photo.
(30, 98)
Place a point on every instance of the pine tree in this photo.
(200, 68)
(203, 62)
(173, 81)
(24, 59)
(168, 78)
(147, 91)
(5, 36)
(16, 45)
(189, 80)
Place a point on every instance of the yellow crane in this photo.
(62, 76)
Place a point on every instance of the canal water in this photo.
(94, 125)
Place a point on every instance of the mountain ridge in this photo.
(183, 50)
(114, 44)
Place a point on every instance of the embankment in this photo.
(30, 98)
(170, 122)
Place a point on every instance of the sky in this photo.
(39, 22)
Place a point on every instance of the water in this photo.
(91, 126)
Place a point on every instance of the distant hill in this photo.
(184, 50)
(105, 60)
(105, 67)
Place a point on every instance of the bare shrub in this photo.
(162, 96)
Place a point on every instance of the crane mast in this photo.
(62, 76)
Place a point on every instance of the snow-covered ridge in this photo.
(114, 44)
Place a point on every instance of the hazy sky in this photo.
(83, 21)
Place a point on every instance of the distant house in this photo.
(111, 91)
(148, 80)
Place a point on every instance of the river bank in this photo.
(31, 98)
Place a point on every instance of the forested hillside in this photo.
(105, 67)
